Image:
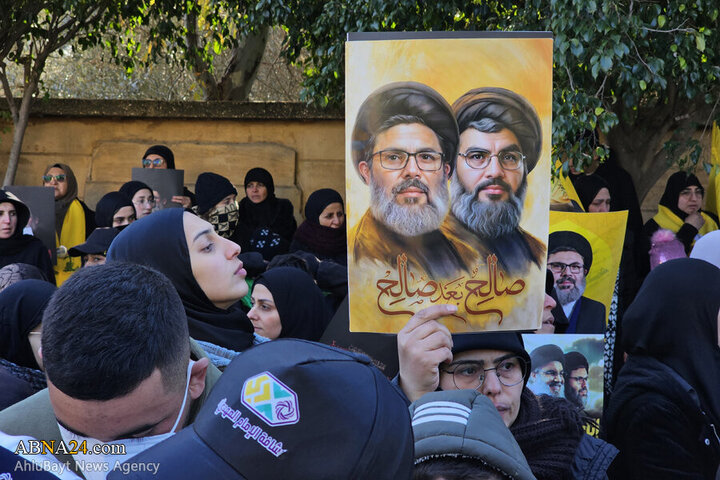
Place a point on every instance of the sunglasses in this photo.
(59, 178)
(146, 162)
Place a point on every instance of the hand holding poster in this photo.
(448, 204)
(165, 183)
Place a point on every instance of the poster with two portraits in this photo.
(448, 138)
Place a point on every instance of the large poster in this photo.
(448, 177)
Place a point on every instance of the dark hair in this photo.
(109, 327)
(456, 468)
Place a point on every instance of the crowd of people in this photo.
(182, 342)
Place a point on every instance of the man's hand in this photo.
(184, 201)
(696, 220)
(423, 344)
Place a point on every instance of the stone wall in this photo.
(103, 140)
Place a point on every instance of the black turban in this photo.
(507, 108)
(404, 98)
(570, 241)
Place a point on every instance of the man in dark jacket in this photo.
(122, 372)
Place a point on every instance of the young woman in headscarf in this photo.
(288, 304)
(270, 220)
(680, 211)
(323, 231)
(664, 413)
(203, 267)
(74, 221)
(21, 308)
(114, 209)
(142, 197)
(160, 156)
(15, 247)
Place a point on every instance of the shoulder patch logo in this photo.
(271, 400)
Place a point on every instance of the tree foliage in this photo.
(30, 31)
(646, 74)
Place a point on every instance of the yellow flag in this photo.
(563, 191)
(712, 195)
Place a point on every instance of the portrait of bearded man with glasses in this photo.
(500, 144)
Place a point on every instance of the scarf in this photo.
(548, 431)
(17, 241)
(108, 206)
(324, 241)
(21, 308)
(158, 241)
(224, 219)
(62, 204)
(299, 302)
(674, 320)
(669, 220)
(72, 233)
(35, 378)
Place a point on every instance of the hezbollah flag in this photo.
(562, 191)
(712, 195)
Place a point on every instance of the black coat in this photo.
(658, 426)
(591, 318)
(34, 254)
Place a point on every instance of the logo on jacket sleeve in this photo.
(271, 400)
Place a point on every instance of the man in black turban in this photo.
(570, 258)
(500, 144)
(403, 146)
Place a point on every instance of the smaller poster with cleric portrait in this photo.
(448, 177)
(584, 252)
(569, 366)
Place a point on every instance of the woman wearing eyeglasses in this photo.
(549, 430)
(16, 247)
(161, 157)
(74, 221)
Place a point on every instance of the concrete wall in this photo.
(102, 141)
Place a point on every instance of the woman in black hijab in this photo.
(114, 209)
(141, 196)
(680, 211)
(202, 266)
(664, 413)
(288, 304)
(16, 247)
(269, 220)
(21, 308)
(594, 193)
(323, 231)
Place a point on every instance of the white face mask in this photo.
(98, 466)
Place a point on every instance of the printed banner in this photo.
(569, 366)
(448, 177)
(584, 251)
(563, 194)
